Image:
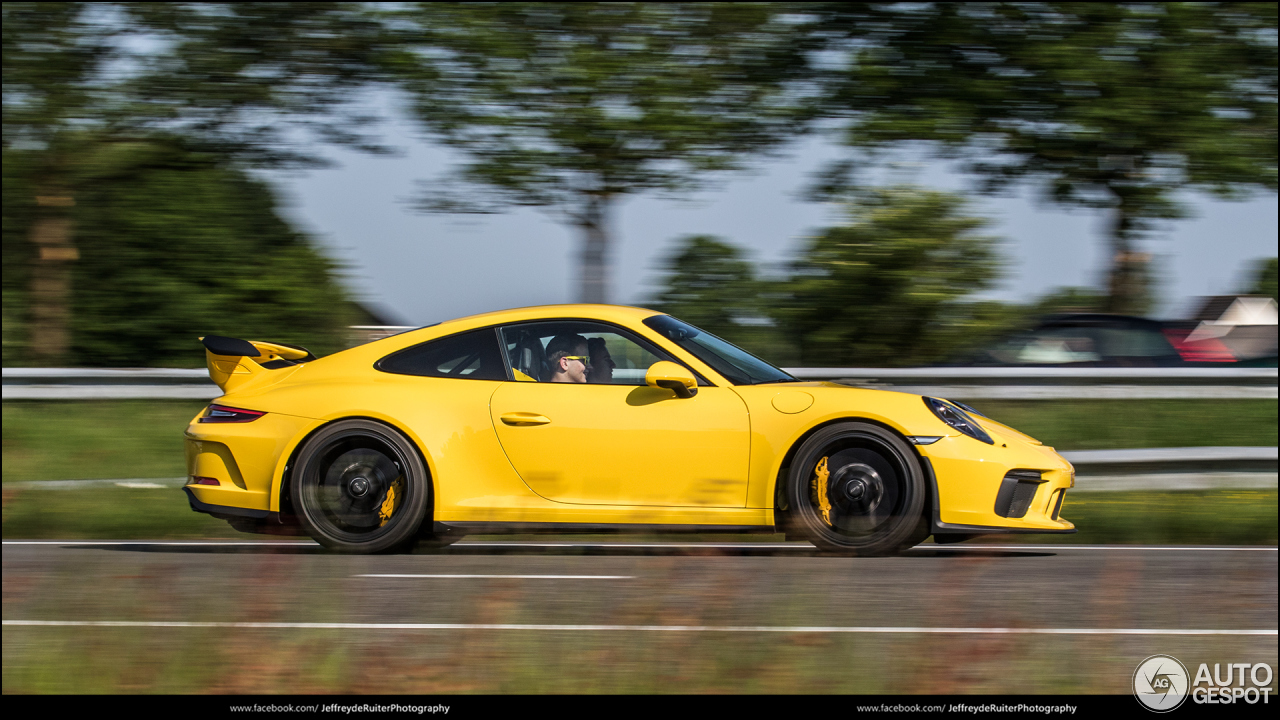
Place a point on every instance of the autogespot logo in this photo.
(1160, 683)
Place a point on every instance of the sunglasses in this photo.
(584, 359)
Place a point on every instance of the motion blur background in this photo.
(830, 185)
(827, 184)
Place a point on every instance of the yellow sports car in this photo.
(594, 418)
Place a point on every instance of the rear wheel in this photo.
(856, 489)
(360, 487)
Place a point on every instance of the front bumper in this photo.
(967, 476)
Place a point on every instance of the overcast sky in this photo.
(422, 268)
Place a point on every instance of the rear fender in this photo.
(280, 498)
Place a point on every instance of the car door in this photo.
(613, 440)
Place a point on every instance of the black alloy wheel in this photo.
(855, 488)
(360, 487)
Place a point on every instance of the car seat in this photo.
(529, 357)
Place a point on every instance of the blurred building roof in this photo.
(1244, 324)
(1237, 310)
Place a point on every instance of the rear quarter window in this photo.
(470, 355)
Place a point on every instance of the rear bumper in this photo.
(247, 460)
(261, 522)
(222, 511)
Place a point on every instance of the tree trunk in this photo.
(1128, 281)
(49, 332)
(595, 249)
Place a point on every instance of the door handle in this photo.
(519, 419)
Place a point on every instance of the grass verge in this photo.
(1118, 424)
(96, 439)
(107, 513)
(1195, 517)
(1182, 517)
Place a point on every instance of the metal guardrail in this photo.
(960, 383)
(1188, 468)
(1031, 383)
(107, 384)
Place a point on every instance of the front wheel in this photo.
(360, 487)
(855, 489)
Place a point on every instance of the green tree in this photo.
(89, 87)
(709, 283)
(1105, 105)
(178, 245)
(573, 106)
(1264, 282)
(1068, 300)
(891, 286)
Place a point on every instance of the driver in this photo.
(567, 359)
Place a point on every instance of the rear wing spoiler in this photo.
(233, 361)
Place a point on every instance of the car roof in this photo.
(614, 313)
(618, 314)
(1096, 319)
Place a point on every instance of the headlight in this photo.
(967, 408)
(958, 419)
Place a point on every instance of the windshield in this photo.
(737, 365)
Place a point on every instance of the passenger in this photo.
(602, 365)
(567, 358)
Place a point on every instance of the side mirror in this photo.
(671, 376)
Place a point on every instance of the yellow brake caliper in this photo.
(389, 504)
(820, 480)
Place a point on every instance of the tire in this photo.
(430, 541)
(874, 491)
(361, 487)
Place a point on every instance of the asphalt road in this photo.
(568, 616)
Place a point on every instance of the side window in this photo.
(473, 355)
(1057, 346)
(613, 357)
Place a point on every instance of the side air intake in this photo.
(1017, 490)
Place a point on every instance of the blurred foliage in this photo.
(258, 81)
(174, 245)
(1265, 280)
(94, 94)
(892, 286)
(98, 439)
(712, 285)
(1229, 516)
(571, 106)
(1121, 424)
(1107, 105)
(1068, 300)
(232, 78)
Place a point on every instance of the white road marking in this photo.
(732, 546)
(636, 628)
(168, 543)
(512, 577)
(806, 546)
(1219, 548)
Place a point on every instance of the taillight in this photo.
(1203, 350)
(198, 480)
(224, 414)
